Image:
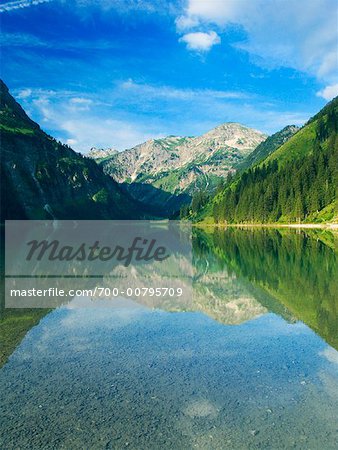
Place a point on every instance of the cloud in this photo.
(71, 142)
(20, 40)
(44, 107)
(87, 132)
(80, 104)
(83, 122)
(298, 34)
(80, 101)
(170, 92)
(186, 22)
(122, 116)
(30, 41)
(9, 6)
(85, 7)
(329, 92)
(128, 6)
(24, 93)
(218, 11)
(202, 109)
(200, 42)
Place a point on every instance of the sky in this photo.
(114, 73)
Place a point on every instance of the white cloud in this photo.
(71, 142)
(200, 42)
(81, 101)
(214, 107)
(298, 34)
(9, 6)
(43, 105)
(80, 104)
(217, 11)
(329, 92)
(88, 132)
(29, 41)
(125, 118)
(85, 7)
(168, 92)
(24, 93)
(186, 22)
(83, 122)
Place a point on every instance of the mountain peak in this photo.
(181, 165)
(101, 153)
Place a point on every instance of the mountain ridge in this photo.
(222, 137)
(267, 147)
(182, 165)
(295, 183)
(43, 179)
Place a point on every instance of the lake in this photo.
(251, 362)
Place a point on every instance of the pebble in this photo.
(254, 432)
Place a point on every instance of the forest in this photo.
(288, 189)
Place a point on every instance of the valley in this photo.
(231, 174)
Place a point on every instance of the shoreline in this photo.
(324, 226)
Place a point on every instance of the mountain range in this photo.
(167, 172)
(230, 174)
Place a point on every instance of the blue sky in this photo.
(114, 73)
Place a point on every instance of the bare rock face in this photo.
(100, 153)
(184, 164)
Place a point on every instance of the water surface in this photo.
(251, 362)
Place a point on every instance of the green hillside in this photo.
(298, 182)
(267, 147)
(42, 178)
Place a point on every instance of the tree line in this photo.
(291, 191)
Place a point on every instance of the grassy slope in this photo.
(299, 145)
(265, 148)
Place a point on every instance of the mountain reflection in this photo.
(238, 275)
(291, 273)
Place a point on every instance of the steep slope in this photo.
(100, 154)
(147, 159)
(41, 178)
(297, 182)
(182, 165)
(269, 146)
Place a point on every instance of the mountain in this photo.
(41, 178)
(178, 166)
(268, 146)
(100, 154)
(295, 183)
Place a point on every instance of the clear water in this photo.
(253, 365)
